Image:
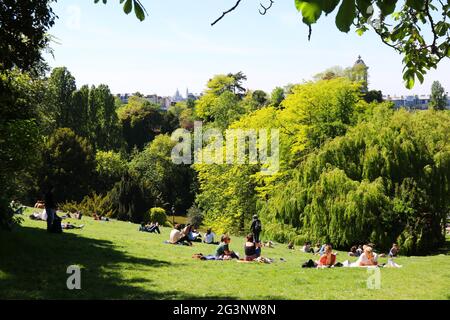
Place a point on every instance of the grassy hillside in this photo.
(119, 262)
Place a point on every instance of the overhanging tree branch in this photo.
(226, 12)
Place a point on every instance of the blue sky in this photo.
(175, 47)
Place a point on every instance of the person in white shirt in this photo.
(209, 237)
(367, 258)
(307, 248)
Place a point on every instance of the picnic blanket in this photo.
(389, 264)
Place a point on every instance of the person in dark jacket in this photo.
(50, 208)
(256, 228)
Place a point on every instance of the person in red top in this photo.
(328, 259)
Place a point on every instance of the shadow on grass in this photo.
(444, 249)
(33, 265)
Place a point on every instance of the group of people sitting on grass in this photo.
(357, 251)
(252, 251)
(366, 258)
(42, 216)
(187, 234)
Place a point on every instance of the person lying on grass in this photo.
(328, 259)
(223, 251)
(39, 216)
(99, 217)
(252, 249)
(152, 227)
(176, 236)
(367, 258)
(68, 226)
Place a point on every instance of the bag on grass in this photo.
(309, 264)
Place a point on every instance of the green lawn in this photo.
(119, 262)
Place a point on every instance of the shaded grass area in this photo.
(118, 262)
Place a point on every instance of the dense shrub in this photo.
(94, 203)
(157, 215)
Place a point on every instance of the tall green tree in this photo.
(103, 121)
(24, 33)
(61, 86)
(19, 137)
(169, 184)
(141, 122)
(386, 180)
(277, 96)
(80, 107)
(438, 99)
(68, 165)
(129, 199)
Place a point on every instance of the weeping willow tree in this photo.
(386, 180)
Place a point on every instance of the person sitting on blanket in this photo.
(176, 236)
(252, 250)
(223, 251)
(209, 237)
(328, 259)
(367, 258)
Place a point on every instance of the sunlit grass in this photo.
(119, 262)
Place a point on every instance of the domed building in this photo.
(360, 73)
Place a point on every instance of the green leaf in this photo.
(409, 80)
(139, 11)
(360, 31)
(346, 15)
(310, 10)
(419, 76)
(329, 5)
(128, 6)
(415, 4)
(387, 6)
(363, 6)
